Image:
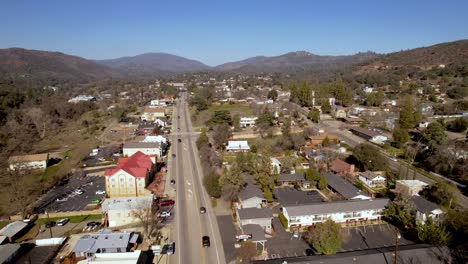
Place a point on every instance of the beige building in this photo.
(410, 187)
(131, 176)
(119, 211)
(152, 113)
(148, 148)
(35, 161)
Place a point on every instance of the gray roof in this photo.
(342, 186)
(423, 205)
(290, 196)
(103, 239)
(12, 228)
(7, 251)
(250, 191)
(137, 145)
(369, 175)
(365, 131)
(125, 203)
(287, 177)
(336, 207)
(254, 213)
(257, 232)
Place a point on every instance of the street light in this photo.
(397, 238)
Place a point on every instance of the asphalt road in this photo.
(190, 225)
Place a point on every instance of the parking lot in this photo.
(70, 200)
(283, 244)
(105, 153)
(371, 236)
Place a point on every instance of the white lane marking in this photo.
(188, 183)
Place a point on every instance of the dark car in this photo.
(206, 241)
(166, 202)
(202, 210)
(49, 224)
(180, 140)
(93, 223)
(170, 248)
(311, 193)
(309, 252)
(178, 116)
(173, 155)
(172, 181)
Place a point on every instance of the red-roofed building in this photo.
(341, 168)
(131, 176)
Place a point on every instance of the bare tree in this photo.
(147, 213)
(40, 120)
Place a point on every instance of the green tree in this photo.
(268, 194)
(202, 140)
(232, 182)
(273, 95)
(322, 183)
(326, 107)
(314, 115)
(221, 134)
(432, 233)
(440, 193)
(247, 251)
(399, 215)
(312, 175)
(400, 136)
(236, 122)
(407, 120)
(325, 237)
(265, 121)
(220, 117)
(211, 183)
(369, 157)
(460, 124)
(435, 135)
(264, 176)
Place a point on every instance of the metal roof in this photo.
(12, 228)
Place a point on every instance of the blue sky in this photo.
(215, 32)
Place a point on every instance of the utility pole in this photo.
(50, 224)
(397, 237)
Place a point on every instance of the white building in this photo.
(275, 164)
(410, 187)
(82, 98)
(148, 148)
(368, 90)
(35, 161)
(255, 216)
(372, 180)
(250, 197)
(119, 210)
(133, 257)
(339, 212)
(425, 209)
(247, 121)
(159, 138)
(238, 146)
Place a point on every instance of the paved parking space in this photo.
(89, 184)
(228, 234)
(371, 236)
(283, 244)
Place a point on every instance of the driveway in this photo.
(283, 244)
(228, 236)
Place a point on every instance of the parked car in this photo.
(166, 202)
(202, 210)
(170, 248)
(63, 221)
(62, 199)
(296, 234)
(79, 191)
(100, 192)
(95, 201)
(93, 223)
(49, 224)
(309, 252)
(164, 214)
(206, 241)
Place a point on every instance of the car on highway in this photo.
(202, 210)
(170, 248)
(180, 140)
(173, 155)
(206, 241)
(63, 221)
(166, 202)
(164, 214)
(172, 181)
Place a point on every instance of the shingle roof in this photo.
(368, 175)
(336, 207)
(250, 191)
(254, 213)
(343, 187)
(287, 177)
(7, 251)
(423, 205)
(12, 228)
(339, 166)
(365, 131)
(137, 165)
(257, 232)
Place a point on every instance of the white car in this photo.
(100, 192)
(78, 191)
(62, 199)
(63, 221)
(164, 214)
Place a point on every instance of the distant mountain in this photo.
(154, 63)
(17, 62)
(299, 60)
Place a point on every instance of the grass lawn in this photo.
(73, 219)
(240, 109)
(50, 171)
(3, 223)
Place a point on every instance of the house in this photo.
(104, 241)
(410, 187)
(318, 140)
(238, 146)
(340, 113)
(425, 209)
(370, 135)
(119, 210)
(248, 121)
(341, 168)
(276, 165)
(152, 113)
(368, 90)
(250, 197)
(353, 120)
(34, 161)
(372, 179)
(146, 129)
(131, 176)
(339, 212)
(148, 148)
(13, 230)
(253, 233)
(255, 216)
(161, 121)
(337, 149)
(82, 98)
(291, 178)
(134, 257)
(344, 188)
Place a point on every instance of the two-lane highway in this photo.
(190, 224)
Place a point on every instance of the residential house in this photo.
(339, 212)
(372, 179)
(34, 161)
(425, 209)
(371, 135)
(353, 120)
(340, 113)
(255, 216)
(13, 230)
(337, 149)
(148, 148)
(160, 139)
(410, 187)
(341, 168)
(318, 140)
(161, 121)
(150, 114)
(131, 176)
(248, 121)
(119, 210)
(238, 146)
(250, 197)
(104, 241)
(82, 98)
(146, 128)
(291, 178)
(344, 188)
(368, 90)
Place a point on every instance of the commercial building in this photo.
(119, 211)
